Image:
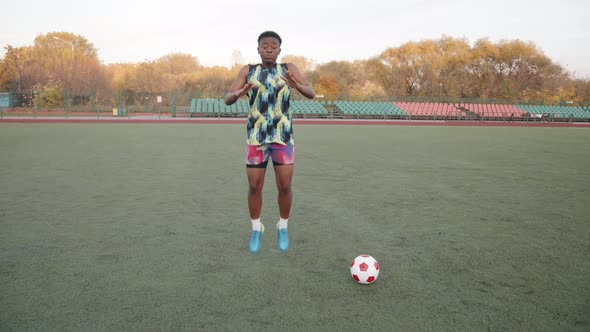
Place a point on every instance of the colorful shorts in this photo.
(257, 155)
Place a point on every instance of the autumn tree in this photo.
(520, 66)
(453, 78)
(303, 64)
(482, 70)
(385, 77)
(446, 67)
(327, 85)
(417, 66)
(582, 87)
(176, 69)
(449, 67)
(13, 68)
(67, 58)
(57, 62)
(211, 82)
(340, 73)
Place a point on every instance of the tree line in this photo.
(447, 68)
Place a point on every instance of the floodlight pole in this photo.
(73, 61)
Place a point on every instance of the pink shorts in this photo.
(257, 155)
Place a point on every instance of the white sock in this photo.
(283, 223)
(256, 225)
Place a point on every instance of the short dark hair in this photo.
(270, 34)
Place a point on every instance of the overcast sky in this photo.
(134, 31)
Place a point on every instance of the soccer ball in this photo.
(364, 269)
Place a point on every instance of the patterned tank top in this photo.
(269, 119)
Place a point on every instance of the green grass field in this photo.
(145, 227)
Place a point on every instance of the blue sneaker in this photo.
(256, 240)
(283, 238)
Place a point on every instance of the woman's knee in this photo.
(255, 187)
(284, 188)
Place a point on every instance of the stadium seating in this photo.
(429, 109)
(217, 107)
(304, 107)
(361, 108)
(556, 111)
(495, 110)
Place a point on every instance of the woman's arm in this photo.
(296, 81)
(239, 87)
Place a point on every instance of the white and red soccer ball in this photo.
(364, 269)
